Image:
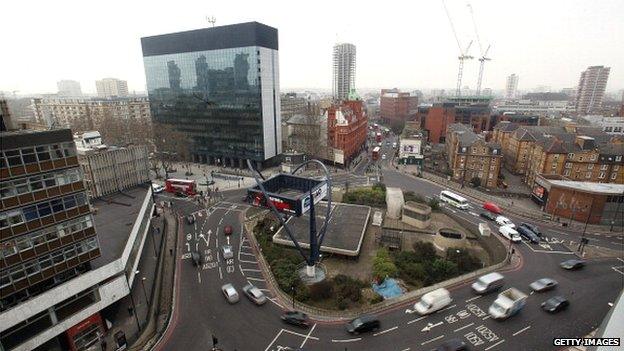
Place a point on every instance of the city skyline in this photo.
(384, 59)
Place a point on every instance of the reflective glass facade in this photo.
(225, 99)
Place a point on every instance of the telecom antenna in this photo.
(463, 54)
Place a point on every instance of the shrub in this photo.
(342, 304)
(321, 290)
(411, 196)
(383, 266)
(425, 251)
(346, 287)
(379, 187)
(434, 204)
(285, 273)
(369, 197)
(440, 270)
(376, 299)
(464, 259)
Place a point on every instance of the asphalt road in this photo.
(201, 310)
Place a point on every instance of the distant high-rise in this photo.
(111, 87)
(591, 89)
(69, 88)
(344, 70)
(511, 87)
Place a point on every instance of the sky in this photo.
(404, 44)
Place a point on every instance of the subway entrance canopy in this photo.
(289, 194)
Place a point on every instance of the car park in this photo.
(433, 301)
(509, 233)
(362, 324)
(452, 345)
(487, 283)
(572, 264)
(227, 230)
(190, 219)
(230, 293)
(555, 304)
(227, 252)
(488, 216)
(532, 228)
(254, 294)
(528, 234)
(543, 284)
(502, 220)
(296, 318)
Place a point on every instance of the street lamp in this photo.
(144, 293)
(292, 290)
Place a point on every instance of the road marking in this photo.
(486, 317)
(243, 261)
(308, 336)
(273, 300)
(407, 349)
(248, 254)
(299, 334)
(416, 320)
(432, 340)
(448, 308)
(220, 273)
(251, 270)
(617, 270)
(344, 340)
(498, 343)
(521, 330)
(274, 339)
(198, 276)
(474, 298)
(464, 327)
(474, 214)
(613, 242)
(620, 259)
(387, 330)
(256, 279)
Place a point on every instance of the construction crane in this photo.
(483, 57)
(463, 54)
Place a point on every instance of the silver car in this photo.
(227, 252)
(230, 293)
(254, 294)
(543, 284)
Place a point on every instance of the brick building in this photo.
(470, 156)
(396, 106)
(436, 119)
(347, 126)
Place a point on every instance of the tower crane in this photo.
(483, 57)
(463, 54)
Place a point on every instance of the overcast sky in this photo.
(406, 44)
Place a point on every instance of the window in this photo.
(28, 155)
(570, 155)
(15, 218)
(590, 166)
(43, 153)
(24, 244)
(554, 165)
(57, 205)
(566, 173)
(613, 176)
(44, 209)
(580, 158)
(603, 167)
(601, 175)
(593, 157)
(588, 175)
(568, 165)
(616, 168)
(618, 158)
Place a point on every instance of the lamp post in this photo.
(292, 291)
(144, 292)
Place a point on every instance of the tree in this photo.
(383, 266)
(425, 251)
(286, 274)
(440, 270)
(170, 146)
(476, 182)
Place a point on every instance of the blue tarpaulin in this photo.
(389, 288)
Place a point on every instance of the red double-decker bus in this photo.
(185, 186)
(376, 153)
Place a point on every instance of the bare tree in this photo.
(170, 146)
(307, 136)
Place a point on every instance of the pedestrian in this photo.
(170, 252)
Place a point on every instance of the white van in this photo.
(509, 233)
(433, 301)
(487, 283)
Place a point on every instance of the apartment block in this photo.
(470, 156)
(591, 89)
(111, 87)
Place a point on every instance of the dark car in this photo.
(363, 324)
(190, 219)
(180, 194)
(526, 233)
(488, 216)
(297, 318)
(452, 345)
(532, 228)
(555, 304)
(227, 230)
(572, 264)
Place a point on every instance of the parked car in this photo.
(254, 294)
(433, 301)
(383, 157)
(532, 228)
(543, 284)
(227, 252)
(227, 230)
(452, 345)
(180, 194)
(572, 264)
(509, 233)
(502, 220)
(487, 215)
(156, 188)
(363, 324)
(296, 318)
(230, 293)
(528, 234)
(487, 283)
(492, 207)
(555, 304)
(190, 219)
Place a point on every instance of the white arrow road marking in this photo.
(204, 238)
(408, 311)
(430, 326)
(228, 240)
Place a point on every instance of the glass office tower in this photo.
(220, 86)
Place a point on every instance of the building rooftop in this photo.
(114, 217)
(590, 187)
(23, 138)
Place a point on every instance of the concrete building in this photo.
(610, 125)
(470, 156)
(519, 119)
(111, 87)
(511, 86)
(220, 87)
(395, 202)
(88, 114)
(594, 203)
(6, 122)
(343, 70)
(69, 88)
(396, 106)
(292, 104)
(416, 215)
(591, 89)
(545, 104)
(410, 147)
(109, 169)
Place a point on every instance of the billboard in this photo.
(319, 192)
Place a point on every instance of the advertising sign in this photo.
(319, 193)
